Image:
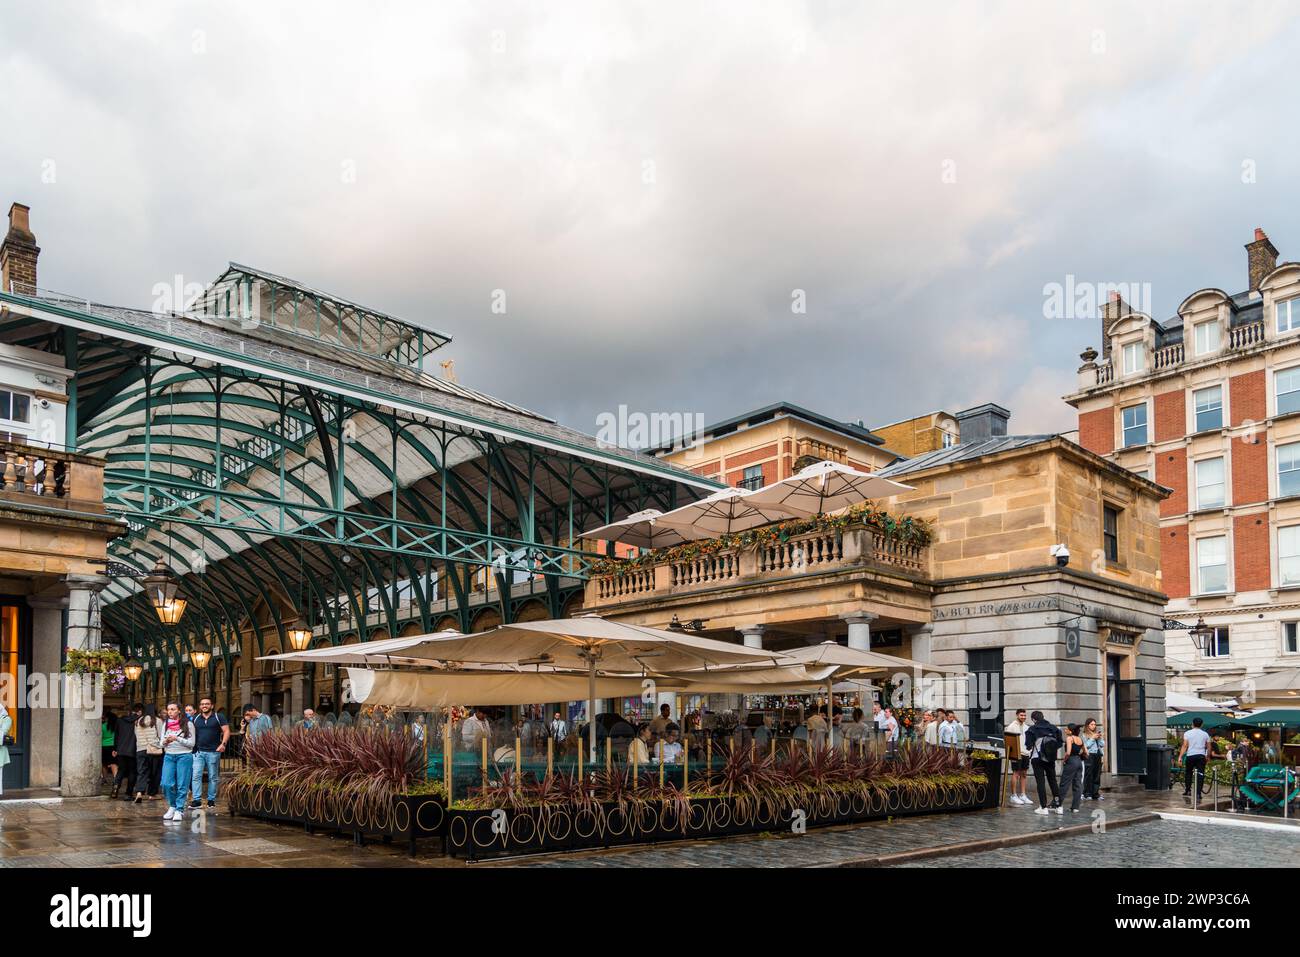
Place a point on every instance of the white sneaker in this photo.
(1015, 799)
(1042, 810)
(1023, 799)
(169, 815)
(1060, 810)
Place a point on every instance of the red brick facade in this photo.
(751, 457)
(736, 476)
(1249, 471)
(1246, 399)
(1097, 431)
(1171, 471)
(1251, 552)
(1175, 561)
(1171, 415)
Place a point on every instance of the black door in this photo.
(1131, 703)
(985, 717)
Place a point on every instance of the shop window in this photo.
(1209, 408)
(1135, 424)
(1210, 489)
(986, 718)
(1212, 564)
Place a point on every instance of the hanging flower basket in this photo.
(92, 661)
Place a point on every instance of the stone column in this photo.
(82, 701)
(47, 650)
(859, 623)
(753, 635)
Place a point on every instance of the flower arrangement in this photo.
(93, 661)
(905, 529)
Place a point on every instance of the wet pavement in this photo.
(98, 832)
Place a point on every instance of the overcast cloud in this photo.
(650, 183)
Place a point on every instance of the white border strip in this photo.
(1234, 820)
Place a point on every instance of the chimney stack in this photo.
(18, 253)
(1114, 308)
(1261, 258)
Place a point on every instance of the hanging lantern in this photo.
(132, 669)
(299, 637)
(160, 585)
(1202, 635)
(200, 655)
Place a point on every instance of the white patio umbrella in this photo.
(641, 529)
(592, 644)
(825, 487)
(726, 511)
(383, 651)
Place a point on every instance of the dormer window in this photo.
(1135, 358)
(1206, 336)
(1288, 315)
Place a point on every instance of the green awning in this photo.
(1211, 719)
(1272, 718)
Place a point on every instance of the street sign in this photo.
(1073, 640)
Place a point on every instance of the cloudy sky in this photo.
(657, 187)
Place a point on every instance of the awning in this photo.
(1211, 719)
(428, 690)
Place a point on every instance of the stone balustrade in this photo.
(812, 553)
(31, 473)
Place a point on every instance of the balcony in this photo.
(34, 475)
(1240, 339)
(821, 451)
(812, 554)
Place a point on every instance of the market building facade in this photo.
(1207, 404)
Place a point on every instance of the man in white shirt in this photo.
(951, 733)
(559, 729)
(931, 727)
(1020, 765)
(474, 730)
(1196, 747)
(672, 748)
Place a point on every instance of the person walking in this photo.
(124, 751)
(255, 723)
(1072, 771)
(107, 758)
(148, 757)
(1094, 746)
(211, 735)
(6, 723)
(1019, 766)
(1196, 749)
(891, 734)
(1044, 741)
(178, 761)
(559, 730)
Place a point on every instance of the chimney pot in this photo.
(18, 253)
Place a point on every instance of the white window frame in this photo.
(1146, 426)
(1201, 567)
(1208, 347)
(1289, 535)
(1138, 352)
(1196, 410)
(1295, 629)
(1222, 482)
(1278, 393)
(8, 424)
(1286, 315)
(1295, 467)
(1219, 630)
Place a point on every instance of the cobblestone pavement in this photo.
(1154, 844)
(841, 845)
(104, 833)
(98, 832)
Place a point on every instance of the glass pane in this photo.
(5, 406)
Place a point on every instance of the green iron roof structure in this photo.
(284, 449)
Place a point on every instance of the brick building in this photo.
(1207, 404)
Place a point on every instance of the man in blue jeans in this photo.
(211, 732)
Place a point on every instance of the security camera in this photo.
(1061, 554)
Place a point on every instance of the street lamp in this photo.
(160, 585)
(132, 669)
(1202, 635)
(200, 655)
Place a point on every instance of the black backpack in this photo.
(1045, 748)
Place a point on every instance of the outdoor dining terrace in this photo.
(706, 566)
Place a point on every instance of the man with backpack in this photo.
(1043, 740)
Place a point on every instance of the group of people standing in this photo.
(171, 753)
(1080, 749)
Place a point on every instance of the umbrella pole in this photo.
(830, 715)
(591, 706)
